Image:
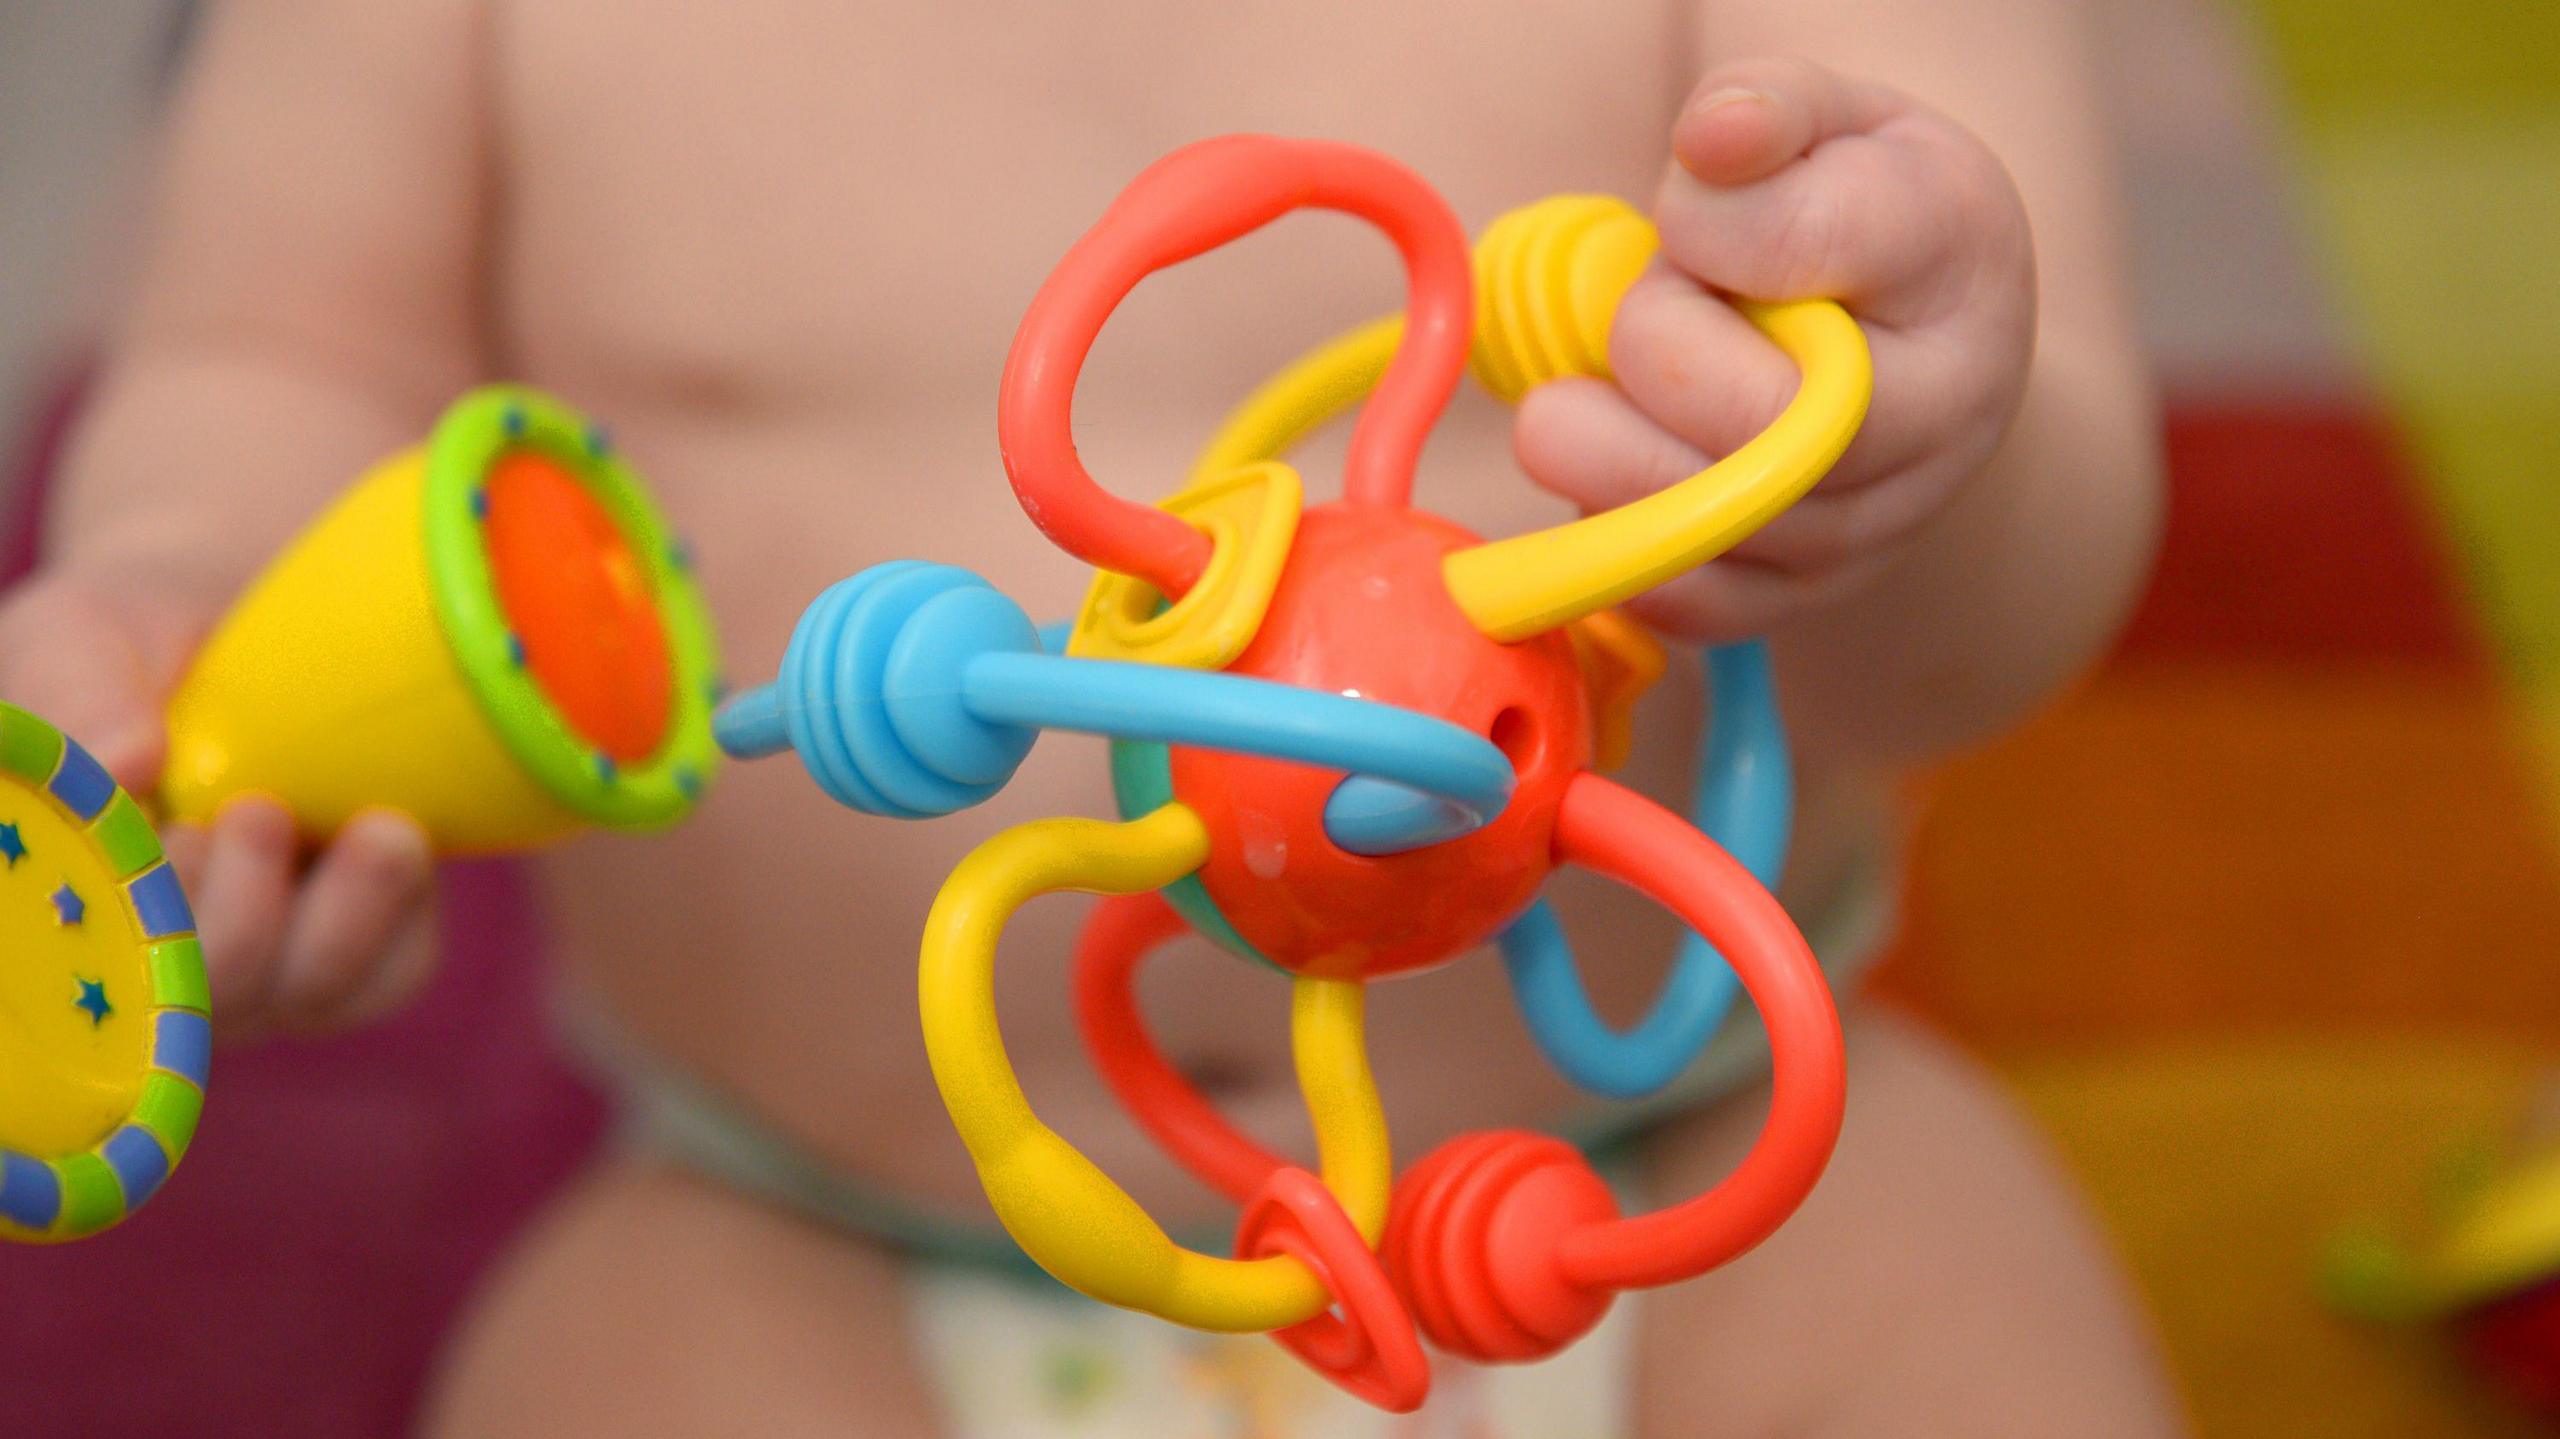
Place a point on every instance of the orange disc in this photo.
(580, 603)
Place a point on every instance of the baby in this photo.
(781, 245)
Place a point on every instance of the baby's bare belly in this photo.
(770, 945)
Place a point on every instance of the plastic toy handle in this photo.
(1621, 834)
(1191, 201)
(1367, 1343)
(1507, 1245)
(1068, 1215)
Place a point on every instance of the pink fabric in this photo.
(342, 1199)
(22, 484)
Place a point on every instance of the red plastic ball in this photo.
(1361, 609)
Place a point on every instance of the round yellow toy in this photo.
(104, 1031)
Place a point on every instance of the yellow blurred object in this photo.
(1621, 661)
(65, 1080)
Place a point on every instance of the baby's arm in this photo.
(1988, 530)
(1976, 545)
(312, 296)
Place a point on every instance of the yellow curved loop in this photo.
(1069, 1216)
(1549, 277)
(1302, 399)
(1326, 1027)
(1548, 280)
(1533, 583)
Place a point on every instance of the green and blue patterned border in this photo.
(55, 1197)
(474, 433)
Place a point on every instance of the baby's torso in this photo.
(781, 245)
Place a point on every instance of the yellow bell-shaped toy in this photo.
(493, 632)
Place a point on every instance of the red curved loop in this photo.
(1193, 200)
(1366, 1342)
(1124, 929)
(1619, 833)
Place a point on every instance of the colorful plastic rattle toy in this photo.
(104, 1039)
(493, 632)
(1351, 741)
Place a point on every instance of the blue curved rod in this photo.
(914, 689)
(1248, 716)
(1744, 801)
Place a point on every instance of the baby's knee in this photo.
(651, 1301)
(1944, 1277)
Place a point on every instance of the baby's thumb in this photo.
(72, 661)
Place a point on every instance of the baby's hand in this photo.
(287, 945)
(1791, 183)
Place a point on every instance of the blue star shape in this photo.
(67, 906)
(93, 1002)
(12, 847)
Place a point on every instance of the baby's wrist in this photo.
(177, 557)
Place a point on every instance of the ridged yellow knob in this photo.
(1549, 277)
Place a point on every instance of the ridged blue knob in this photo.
(872, 694)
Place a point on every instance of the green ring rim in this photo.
(479, 428)
(1141, 784)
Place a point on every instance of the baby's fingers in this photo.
(1591, 444)
(1746, 119)
(65, 657)
(240, 877)
(1859, 223)
(1586, 442)
(1902, 215)
(362, 901)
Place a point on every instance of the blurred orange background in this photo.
(2264, 922)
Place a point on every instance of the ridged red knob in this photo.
(1471, 1245)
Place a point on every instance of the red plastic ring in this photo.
(1366, 1343)
(1194, 200)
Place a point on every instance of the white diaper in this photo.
(1020, 1358)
